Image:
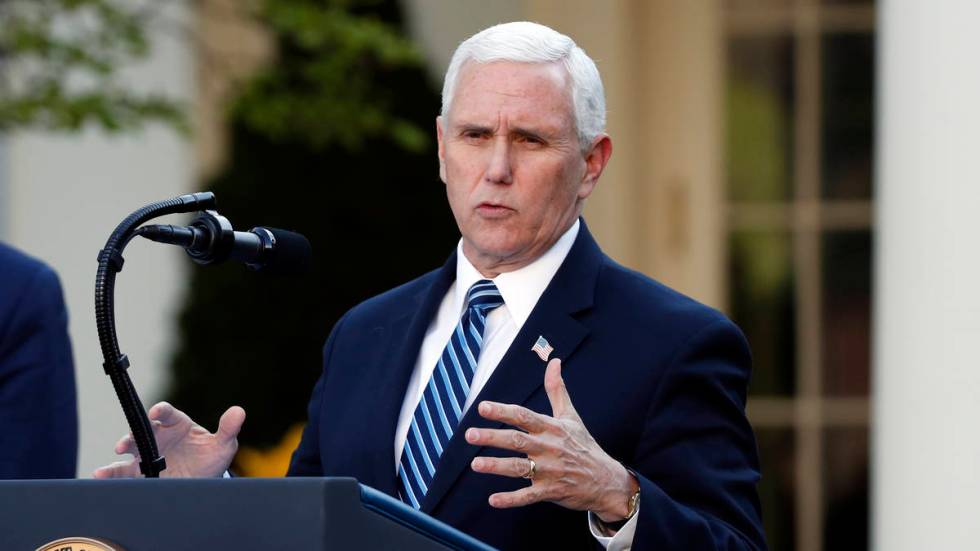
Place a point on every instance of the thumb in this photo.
(554, 385)
(230, 424)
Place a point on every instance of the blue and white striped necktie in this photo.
(441, 407)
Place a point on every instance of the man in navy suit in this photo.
(38, 419)
(531, 392)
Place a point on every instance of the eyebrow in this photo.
(523, 132)
(473, 128)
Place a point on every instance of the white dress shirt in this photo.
(520, 290)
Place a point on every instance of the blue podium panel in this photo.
(241, 513)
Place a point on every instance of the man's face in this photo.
(513, 166)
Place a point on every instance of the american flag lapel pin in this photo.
(542, 348)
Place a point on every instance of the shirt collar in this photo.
(521, 288)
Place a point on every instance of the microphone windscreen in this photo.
(291, 255)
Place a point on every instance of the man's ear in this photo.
(442, 150)
(596, 159)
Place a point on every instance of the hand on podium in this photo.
(190, 450)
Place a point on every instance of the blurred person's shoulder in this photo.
(21, 273)
(30, 296)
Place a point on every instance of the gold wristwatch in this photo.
(632, 505)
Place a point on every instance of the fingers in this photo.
(517, 416)
(119, 469)
(514, 467)
(126, 444)
(162, 410)
(518, 498)
(165, 414)
(507, 439)
(230, 424)
(554, 386)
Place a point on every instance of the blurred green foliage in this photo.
(333, 139)
(328, 93)
(60, 62)
(62, 59)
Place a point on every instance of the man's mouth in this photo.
(493, 210)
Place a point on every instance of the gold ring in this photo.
(530, 470)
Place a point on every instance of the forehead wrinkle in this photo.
(544, 129)
(519, 94)
(476, 97)
(525, 114)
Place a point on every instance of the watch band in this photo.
(632, 505)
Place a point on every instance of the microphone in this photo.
(210, 239)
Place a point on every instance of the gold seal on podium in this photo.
(80, 544)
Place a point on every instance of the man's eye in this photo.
(530, 140)
(474, 134)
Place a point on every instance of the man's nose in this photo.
(499, 170)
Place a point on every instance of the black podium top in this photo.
(242, 513)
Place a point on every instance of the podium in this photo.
(240, 513)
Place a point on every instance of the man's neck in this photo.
(491, 267)
(520, 288)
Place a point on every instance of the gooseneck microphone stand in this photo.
(115, 362)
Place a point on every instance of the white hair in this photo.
(526, 42)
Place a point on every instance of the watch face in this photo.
(634, 503)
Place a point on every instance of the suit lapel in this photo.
(406, 331)
(521, 372)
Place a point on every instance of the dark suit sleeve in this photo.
(697, 460)
(306, 458)
(38, 416)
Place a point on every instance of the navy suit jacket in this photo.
(658, 379)
(38, 419)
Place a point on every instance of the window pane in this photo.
(777, 489)
(848, 115)
(760, 118)
(846, 312)
(762, 284)
(846, 489)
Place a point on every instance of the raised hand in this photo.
(569, 467)
(190, 450)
